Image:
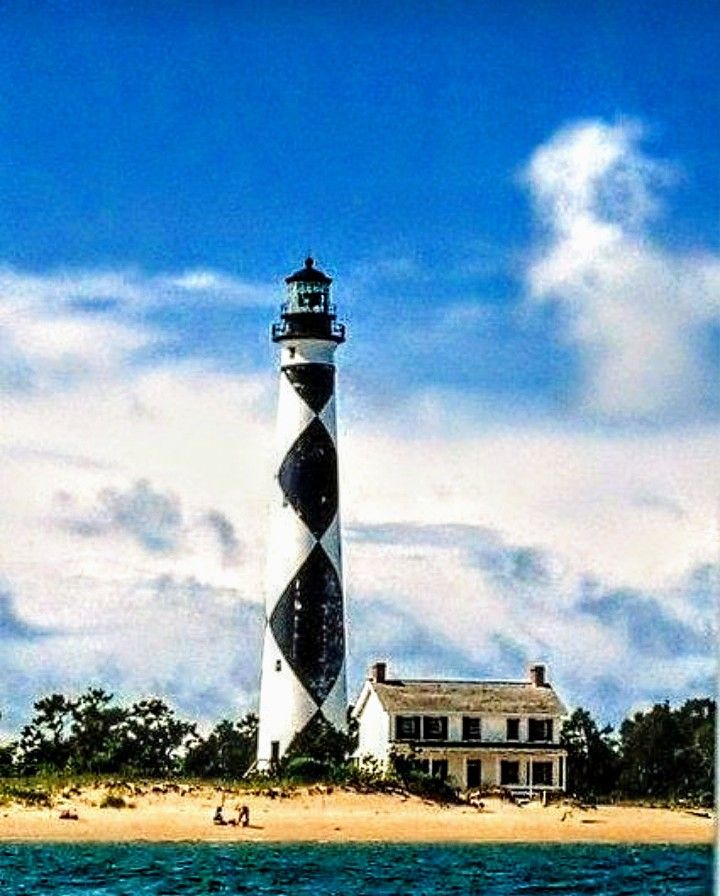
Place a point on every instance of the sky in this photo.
(518, 204)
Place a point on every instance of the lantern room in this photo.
(308, 312)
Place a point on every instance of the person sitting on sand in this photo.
(218, 816)
(244, 816)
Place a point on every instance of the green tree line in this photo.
(92, 734)
(662, 754)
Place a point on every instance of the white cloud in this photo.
(68, 326)
(501, 605)
(132, 526)
(624, 511)
(637, 312)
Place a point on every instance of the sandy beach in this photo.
(184, 814)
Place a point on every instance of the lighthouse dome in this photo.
(309, 274)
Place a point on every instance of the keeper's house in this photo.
(477, 734)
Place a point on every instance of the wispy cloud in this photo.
(12, 626)
(635, 311)
(62, 328)
(225, 531)
(153, 518)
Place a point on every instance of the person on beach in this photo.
(218, 816)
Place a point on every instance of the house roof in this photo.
(502, 697)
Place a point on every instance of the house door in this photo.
(474, 773)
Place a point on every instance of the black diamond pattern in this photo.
(307, 623)
(308, 477)
(312, 382)
(316, 730)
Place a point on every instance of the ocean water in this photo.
(354, 870)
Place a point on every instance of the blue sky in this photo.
(238, 137)
(518, 203)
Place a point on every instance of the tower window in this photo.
(278, 665)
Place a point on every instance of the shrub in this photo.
(17, 792)
(306, 770)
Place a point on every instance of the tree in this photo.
(8, 753)
(592, 761)
(697, 721)
(669, 754)
(318, 751)
(651, 744)
(154, 739)
(96, 732)
(227, 752)
(45, 742)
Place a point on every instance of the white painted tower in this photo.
(303, 664)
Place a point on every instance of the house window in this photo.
(435, 727)
(424, 766)
(513, 729)
(540, 729)
(474, 773)
(542, 773)
(471, 728)
(407, 727)
(439, 769)
(509, 772)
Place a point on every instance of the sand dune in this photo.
(186, 814)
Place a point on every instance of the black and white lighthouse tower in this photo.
(303, 664)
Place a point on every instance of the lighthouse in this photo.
(303, 664)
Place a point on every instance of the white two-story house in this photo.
(477, 734)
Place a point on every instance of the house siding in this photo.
(377, 738)
(374, 731)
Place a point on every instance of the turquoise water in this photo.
(354, 870)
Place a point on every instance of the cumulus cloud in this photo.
(637, 312)
(134, 496)
(128, 545)
(178, 638)
(461, 597)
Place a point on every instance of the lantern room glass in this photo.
(313, 297)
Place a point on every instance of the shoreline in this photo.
(309, 815)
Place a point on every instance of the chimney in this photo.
(537, 676)
(377, 672)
